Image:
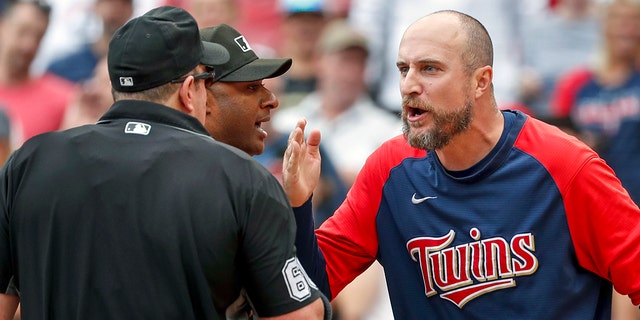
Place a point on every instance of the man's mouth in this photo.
(414, 114)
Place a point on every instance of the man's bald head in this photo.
(477, 50)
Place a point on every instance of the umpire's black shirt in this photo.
(144, 216)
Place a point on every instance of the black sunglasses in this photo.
(206, 76)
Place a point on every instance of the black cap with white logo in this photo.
(244, 64)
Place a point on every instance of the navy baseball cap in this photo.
(244, 64)
(159, 46)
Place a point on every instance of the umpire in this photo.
(143, 215)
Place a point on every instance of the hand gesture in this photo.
(301, 164)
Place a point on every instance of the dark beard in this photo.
(446, 125)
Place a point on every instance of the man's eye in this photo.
(256, 86)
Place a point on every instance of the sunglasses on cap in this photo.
(208, 78)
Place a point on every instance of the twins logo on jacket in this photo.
(469, 270)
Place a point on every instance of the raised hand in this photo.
(301, 164)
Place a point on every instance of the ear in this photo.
(211, 100)
(185, 95)
(483, 78)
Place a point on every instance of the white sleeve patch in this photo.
(297, 280)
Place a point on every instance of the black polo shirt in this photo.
(144, 216)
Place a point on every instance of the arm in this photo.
(361, 296)
(605, 227)
(8, 306)
(308, 251)
(623, 309)
(301, 173)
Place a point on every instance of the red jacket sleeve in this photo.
(605, 226)
(349, 239)
(603, 220)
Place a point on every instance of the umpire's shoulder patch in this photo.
(298, 282)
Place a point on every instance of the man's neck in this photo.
(471, 146)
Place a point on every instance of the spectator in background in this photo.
(340, 106)
(603, 99)
(92, 99)
(35, 104)
(384, 21)
(78, 65)
(554, 41)
(302, 25)
(72, 24)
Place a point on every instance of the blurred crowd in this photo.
(572, 63)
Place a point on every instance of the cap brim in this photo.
(258, 69)
(214, 54)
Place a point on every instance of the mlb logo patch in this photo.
(137, 128)
(242, 43)
(126, 81)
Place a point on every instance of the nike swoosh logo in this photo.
(415, 200)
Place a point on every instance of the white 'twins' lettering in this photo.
(466, 271)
